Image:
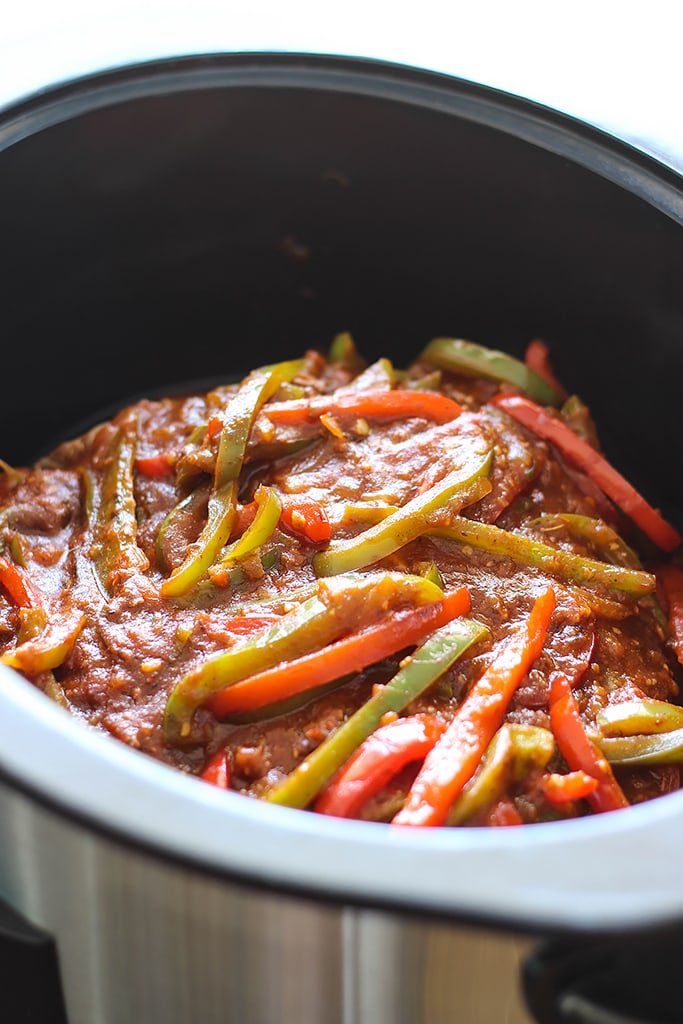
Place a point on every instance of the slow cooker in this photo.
(189, 218)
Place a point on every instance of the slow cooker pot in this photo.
(191, 218)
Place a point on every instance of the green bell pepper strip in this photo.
(255, 536)
(465, 357)
(663, 748)
(636, 717)
(611, 545)
(115, 552)
(511, 753)
(462, 486)
(242, 409)
(436, 655)
(334, 610)
(554, 561)
(343, 350)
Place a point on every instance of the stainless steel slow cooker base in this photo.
(143, 940)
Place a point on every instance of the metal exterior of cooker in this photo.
(141, 939)
(170, 900)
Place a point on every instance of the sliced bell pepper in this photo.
(217, 771)
(242, 409)
(580, 753)
(387, 405)
(381, 756)
(633, 717)
(156, 467)
(662, 748)
(49, 649)
(260, 530)
(455, 758)
(513, 751)
(563, 789)
(556, 561)
(427, 664)
(622, 493)
(354, 653)
(670, 578)
(537, 358)
(115, 551)
(17, 582)
(465, 357)
(504, 814)
(306, 519)
(466, 483)
(333, 611)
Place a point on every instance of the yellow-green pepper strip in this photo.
(258, 532)
(242, 409)
(664, 748)
(596, 532)
(612, 546)
(462, 486)
(436, 655)
(343, 350)
(554, 561)
(634, 717)
(465, 357)
(115, 549)
(337, 608)
(512, 752)
(49, 649)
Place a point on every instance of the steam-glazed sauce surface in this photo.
(402, 595)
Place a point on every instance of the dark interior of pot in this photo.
(174, 234)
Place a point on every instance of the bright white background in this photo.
(615, 64)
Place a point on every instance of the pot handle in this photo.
(29, 972)
(618, 980)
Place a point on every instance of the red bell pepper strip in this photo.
(504, 813)
(387, 405)
(454, 759)
(670, 579)
(563, 789)
(578, 750)
(537, 358)
(306, 519)
(18, 585)
(217, 771)
(351, 654)
(381, 756)
(155, 466)
(622, 493)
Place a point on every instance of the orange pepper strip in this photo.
(562, 789)
(155, 466)
(377, 760)
(670, 578)
(307, 519)
(390, 405)
(18, 585)
(217, 771)
(550, 428)
(455, 758)
(351, 654)
(578, 750)
(504, 813)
